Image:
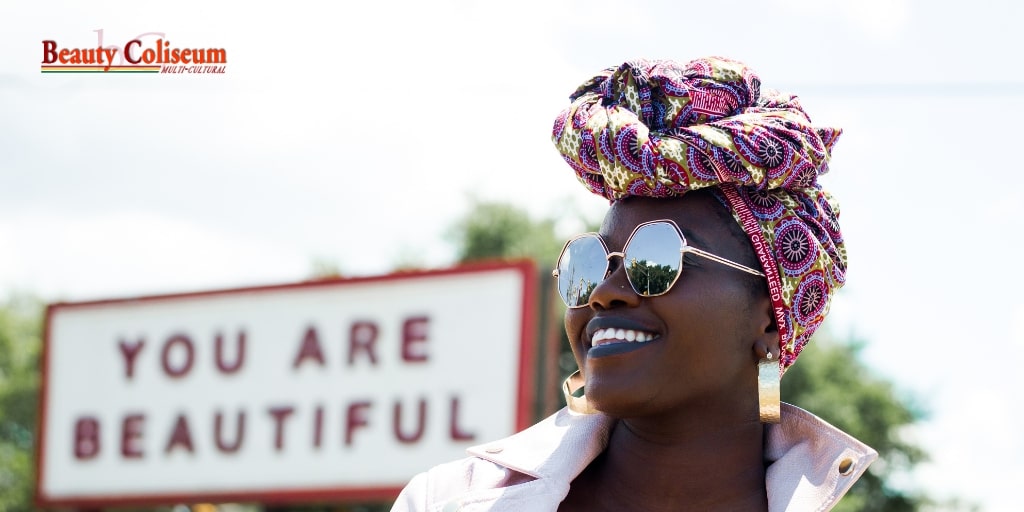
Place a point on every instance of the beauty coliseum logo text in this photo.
(149, 52)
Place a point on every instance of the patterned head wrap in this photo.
(660, 128)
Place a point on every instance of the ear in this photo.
(766, 336)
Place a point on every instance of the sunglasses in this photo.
(652, 256)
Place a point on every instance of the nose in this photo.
(614, 290)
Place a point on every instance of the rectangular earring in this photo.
(769, 376)
(575, 403)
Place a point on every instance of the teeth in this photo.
(604, 336)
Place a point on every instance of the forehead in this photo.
(697, 214)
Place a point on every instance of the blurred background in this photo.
(359, 138)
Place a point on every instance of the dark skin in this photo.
(688, 435)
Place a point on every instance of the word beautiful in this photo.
(172, 60)
(222, 431)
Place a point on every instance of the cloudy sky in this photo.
(356, 134)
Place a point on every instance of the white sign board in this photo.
(311, 391)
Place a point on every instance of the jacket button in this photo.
(493, 449)
(846, 466)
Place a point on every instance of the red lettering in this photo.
(310, 348)
(420, 426)
(49, 52)
(128, 50)
(362, 337)
(239, 353)
(131, 431)
(356, 417)
(457, 434)
(110, 50)
(87, 438)
(222, 445)
(165, 357)
(279, 414)
(414, 334)
(180, 436)
(130, 351)
(99, 39)
(318, 426)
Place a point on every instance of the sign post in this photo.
(335, 389)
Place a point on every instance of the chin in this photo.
(619, 404)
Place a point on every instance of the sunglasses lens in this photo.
(580, 269)
(653, 259)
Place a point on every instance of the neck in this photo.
(649, 465)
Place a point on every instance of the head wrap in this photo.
(658, 128)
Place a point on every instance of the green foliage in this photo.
(323, 268)
(830, 380)
(20, 328)
(649, 277)
(500, 230)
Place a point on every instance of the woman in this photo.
(713, 267)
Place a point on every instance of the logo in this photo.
(149, 52)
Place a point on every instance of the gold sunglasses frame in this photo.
(684, 247)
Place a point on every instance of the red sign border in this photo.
(524, 400)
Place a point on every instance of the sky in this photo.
(356, 134)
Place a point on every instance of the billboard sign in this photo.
(318, 390)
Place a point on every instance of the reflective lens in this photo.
(652, 258)
(581, 268)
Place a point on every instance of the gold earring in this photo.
(769, 376)
(577, 404)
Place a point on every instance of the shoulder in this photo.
(432, 489)
(812, 463)
(522, 470)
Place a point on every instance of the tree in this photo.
(494, 230)
(829, 379)
(20, 327)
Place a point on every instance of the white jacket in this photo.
(812, 465)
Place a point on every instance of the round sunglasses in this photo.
(652, 256)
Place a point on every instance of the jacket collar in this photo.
(811, 463)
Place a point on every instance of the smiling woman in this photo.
(713, 267)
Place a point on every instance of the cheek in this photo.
(718, 310)
(575, 328)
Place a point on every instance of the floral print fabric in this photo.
(658, 128)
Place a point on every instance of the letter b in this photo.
(49, 52)
(87, 438)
